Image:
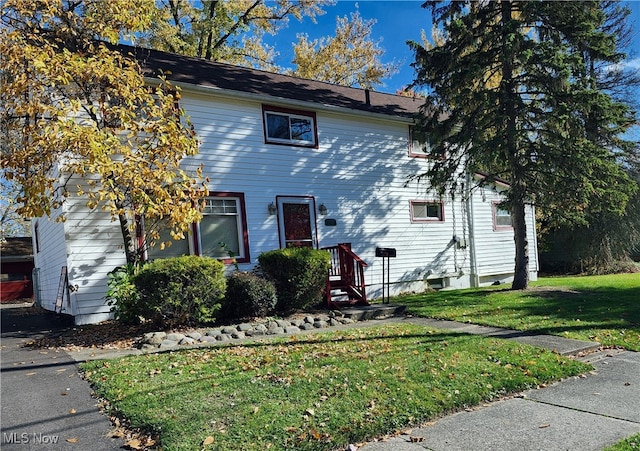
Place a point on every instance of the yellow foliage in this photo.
(75, 111)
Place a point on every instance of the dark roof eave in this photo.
(207, 74)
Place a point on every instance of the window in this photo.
(284, 126)
(177, 248)
(222, 233)
(426, 211)
(36, 233)
(501, 217)
(418, 146)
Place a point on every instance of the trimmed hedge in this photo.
(248, 295)
(299, 274)
(181, 291)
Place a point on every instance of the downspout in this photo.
(475, 282)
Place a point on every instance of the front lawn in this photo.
(316, 392)
(601, 308)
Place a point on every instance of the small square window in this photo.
(283, 126)
(501, 217)
(426, 211)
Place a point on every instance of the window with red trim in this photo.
(222, 232)
(286, 126)
(418, 146)
(501, 217)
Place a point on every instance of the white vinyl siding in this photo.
(358, 169)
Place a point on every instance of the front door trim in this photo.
(308, 200)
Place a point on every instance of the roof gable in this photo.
(205, 73)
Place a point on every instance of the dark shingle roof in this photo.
(202, 72)
(16, 247)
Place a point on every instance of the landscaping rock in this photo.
(291, 330)
(195, 335)
(213, 332)
(167, 343)
(154, 338)
(320, 324)
(175, 336)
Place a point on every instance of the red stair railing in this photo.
(346, 276)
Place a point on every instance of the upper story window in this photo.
(501, 217)
(285, 126)
(418, 146)
(426, 211)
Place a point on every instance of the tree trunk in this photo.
(521, 272)
(129, 241)
(509, 93)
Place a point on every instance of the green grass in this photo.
(630, 444)
(317, 392)
(601, 308)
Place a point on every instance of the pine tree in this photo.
(507, 89)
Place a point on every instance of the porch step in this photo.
(375, 311)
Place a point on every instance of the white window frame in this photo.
(426, 203)
(290, 114)
(241, 226)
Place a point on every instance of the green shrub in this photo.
(299, 274)
(181, 291)
(248, 295)
(122, 294)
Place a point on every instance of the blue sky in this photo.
(397, 22)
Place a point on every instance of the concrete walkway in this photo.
(583, 413)
(44, 400)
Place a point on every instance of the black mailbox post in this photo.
(386, 253)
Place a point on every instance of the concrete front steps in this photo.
(373, 311)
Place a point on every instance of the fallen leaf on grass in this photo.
(208, 441)
(134, 444)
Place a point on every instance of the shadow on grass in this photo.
(543, 309)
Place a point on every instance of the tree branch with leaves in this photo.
(80, 120)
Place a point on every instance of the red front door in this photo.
(297, 222)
